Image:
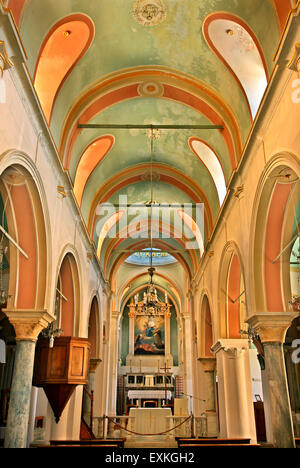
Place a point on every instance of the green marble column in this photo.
(27, 324)
(282, 426)
(271, 328)
(19, 404)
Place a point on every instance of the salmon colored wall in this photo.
(26, 229)
(16, 7)
(208, 329)
(283, 8)
(67, 307)
(93, 328)
(233, 292)
(275, 220)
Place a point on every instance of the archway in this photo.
(68, 297)
(232, 293)
(277, 203)
(24, 271)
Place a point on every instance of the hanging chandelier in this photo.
(150, 305)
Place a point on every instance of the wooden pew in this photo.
(219, 446)
(297, 441)
(83, 442)
(109, 446)
(208, 441)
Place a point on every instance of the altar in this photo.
(150, 420)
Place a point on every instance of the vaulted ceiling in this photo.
(161, 62)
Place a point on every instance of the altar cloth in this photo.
(149, 394)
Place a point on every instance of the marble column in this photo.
(188, 356)
(113, 350)
(271, 328)
(236, 409)
(209, 368)
(93, 364)
(27, 324)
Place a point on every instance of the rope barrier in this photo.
(158, 433)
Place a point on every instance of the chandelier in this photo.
(150, 305)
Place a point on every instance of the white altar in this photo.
(150, 420)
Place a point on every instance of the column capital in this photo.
(93, 364)
(272, 326)
(186, 315)
(28, 323)
(234, 347)
(116, 314)
(208, 363)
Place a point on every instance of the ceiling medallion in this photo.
(149, 12)
(151, 89)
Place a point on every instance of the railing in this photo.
(176, 426)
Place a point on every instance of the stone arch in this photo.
(232, 293)
(94, 328)
(68, 297)
(274, 215)
(29, 249)
(205, 327)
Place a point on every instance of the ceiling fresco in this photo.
(99, 64)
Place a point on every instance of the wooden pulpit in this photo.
(60, 369)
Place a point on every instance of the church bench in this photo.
(297, 441)
(213, 441)
(118, 442)
(80, 446)
(220, 445)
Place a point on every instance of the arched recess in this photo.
(236, 45)
(91, 157)
(94, 329)
(63, 47)
(206, 328)
(24, 237)
(275, 229)
(232, 293)
(68, 297)
(209, 158)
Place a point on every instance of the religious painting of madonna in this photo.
(149, 335)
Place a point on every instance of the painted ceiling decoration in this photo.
(106, 72)
(149, 12)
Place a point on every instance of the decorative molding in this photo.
(28, 323)
(208, 363)
(151, 89)
(149, 12)
(93, 364)
(234, 348)
(272, 326)
(5, 62)
(238, 191)
(295, 62)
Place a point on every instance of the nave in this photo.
(149, 223)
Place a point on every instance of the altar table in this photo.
(150, 420)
